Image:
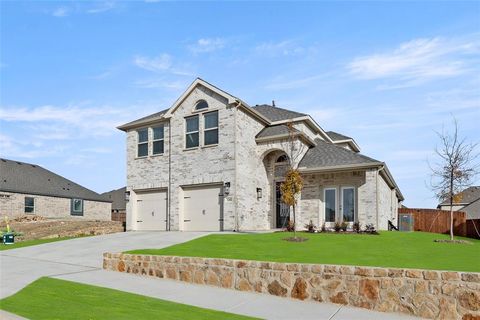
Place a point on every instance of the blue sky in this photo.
(388, 74)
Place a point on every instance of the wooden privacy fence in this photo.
(437, 221)
(473, 230)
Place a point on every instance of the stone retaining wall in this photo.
(424, 293)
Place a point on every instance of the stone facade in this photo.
(424, 293)
(13, 205)
(241, 161)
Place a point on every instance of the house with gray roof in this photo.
(27, 188)
(468, 201)
(212, 162)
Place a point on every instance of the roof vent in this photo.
(34, 166)
(273, 103)
(4, 160)
(19, 163)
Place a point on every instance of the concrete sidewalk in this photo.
(80, 260)
(246, 303)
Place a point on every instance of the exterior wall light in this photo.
(127, 196)
(226, 188)
(259, 193)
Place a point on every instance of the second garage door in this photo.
(151, 210)
(203, 208)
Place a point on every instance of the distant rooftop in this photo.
(22, 177)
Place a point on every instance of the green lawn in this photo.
(49, 298)
(21, 244)
(389, 249)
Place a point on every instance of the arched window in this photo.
(282, 158)
(201, 104)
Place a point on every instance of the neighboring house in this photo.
(469, 202)
(30, 189)
(212, 162)
(117, 197)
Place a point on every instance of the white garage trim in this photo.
(150, 209)
(203, 207)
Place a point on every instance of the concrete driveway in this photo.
(80, 260)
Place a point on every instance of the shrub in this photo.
(344, 226)
(311, 227)
(370, 228)
(324, 228)
(290, 226)
(356, 227)
(337, 227)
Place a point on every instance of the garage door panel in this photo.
(151, 210)
(203, 208)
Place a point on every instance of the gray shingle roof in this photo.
(325, 154)
(277, 114)
(335, 136)
(271, 131)
(21, 177)
(153, 116)
(468, 195)
(117, 197)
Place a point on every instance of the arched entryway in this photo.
(276, 164)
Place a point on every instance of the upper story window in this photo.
(29, 205)
(192, 132)
(77, 207)
(142, 148)
(158, 144)
(201, 104)
(210, 128)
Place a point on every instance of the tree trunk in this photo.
(294, 224)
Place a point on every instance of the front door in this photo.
(283, 210)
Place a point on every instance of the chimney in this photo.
(273, 103)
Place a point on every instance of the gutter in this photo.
(341, 167)
(389, 178)
(285, 136)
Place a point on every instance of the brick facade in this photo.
(13, 205)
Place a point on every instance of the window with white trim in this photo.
(158, 136)
(192, 132)
(29, 205)
(142, 146)
(210, 130)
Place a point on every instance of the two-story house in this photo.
(211, 162)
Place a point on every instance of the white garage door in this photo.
(203, 208)
(151, 210)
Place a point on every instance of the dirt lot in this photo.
(36, 227)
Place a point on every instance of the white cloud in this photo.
(417, 61)
(60, 12)
(285, 47)
(102, 7)
(204, 45)
(162, 62)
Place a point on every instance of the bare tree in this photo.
(455, 168)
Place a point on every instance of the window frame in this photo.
(192, 132)
(342, 206)
(205, 130)
(27, 206)
(143, 142)
(74, 212)
(158, 140)
(195, 108)
(335, 218)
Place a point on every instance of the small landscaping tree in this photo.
(454, 169)
(293, 184)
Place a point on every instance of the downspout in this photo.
(169, 173)
(235, 204)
